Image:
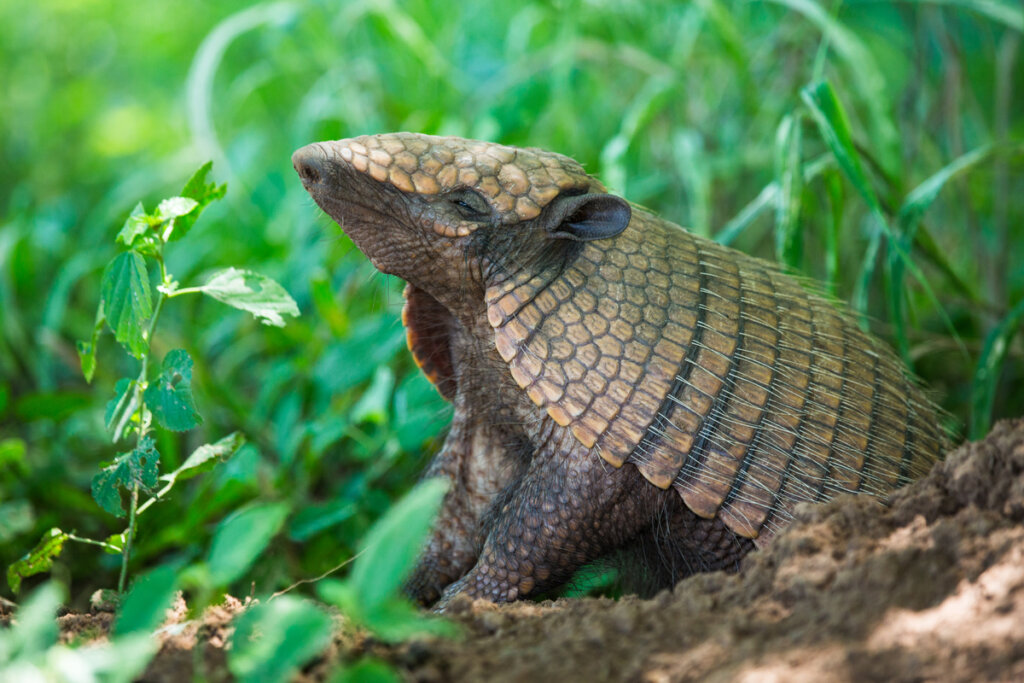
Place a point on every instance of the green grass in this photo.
(876, 146)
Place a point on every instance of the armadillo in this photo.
(620, 385)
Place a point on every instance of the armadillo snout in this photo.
(309, 164)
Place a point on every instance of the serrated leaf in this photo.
(121, 408)
(87, 350)
(142, 610)
(118, 542)
(169, 396)
(206, 457)
(390, 548)
(241, 538)
(203, 193)
(137, 225)
(128, 301)
(273, 640)
(38, 560)
(141, 467)
(171, 213)
(252, 292)
(175, 207)
(87, 358)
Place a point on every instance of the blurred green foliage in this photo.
(693, 109)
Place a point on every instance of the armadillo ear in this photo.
(588, 217)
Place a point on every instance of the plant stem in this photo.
(140, 389)
(89, 541)
(131, 535)
(155, 497)
(185, 290)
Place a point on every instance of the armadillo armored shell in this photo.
(712, 372)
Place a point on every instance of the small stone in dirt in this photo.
(105, 600)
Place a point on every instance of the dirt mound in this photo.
(929, 588)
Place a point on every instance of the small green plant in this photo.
(273, 639)
(127, 307)
(30, 650)
(372, 596)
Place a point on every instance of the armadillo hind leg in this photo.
(570, 508)
(678, 544)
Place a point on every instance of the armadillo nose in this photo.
(309, 164)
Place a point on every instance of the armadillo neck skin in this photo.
(606, 365)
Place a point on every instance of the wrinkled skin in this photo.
(541, 484)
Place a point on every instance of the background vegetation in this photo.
(714, 113)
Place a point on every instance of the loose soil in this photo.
(929, 588)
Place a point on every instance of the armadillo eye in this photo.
(470, 205)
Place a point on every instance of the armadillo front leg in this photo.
(569, 509)
(476, 464)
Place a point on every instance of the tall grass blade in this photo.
(200, 81)
(651, 99)
(691, 161)
(988, 369)
(834, 127)
(766, 199)
(1010, 14)
(834, 189)
(788, 237)
(864, 71)
(908, 220)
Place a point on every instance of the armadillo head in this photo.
(446, 213)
